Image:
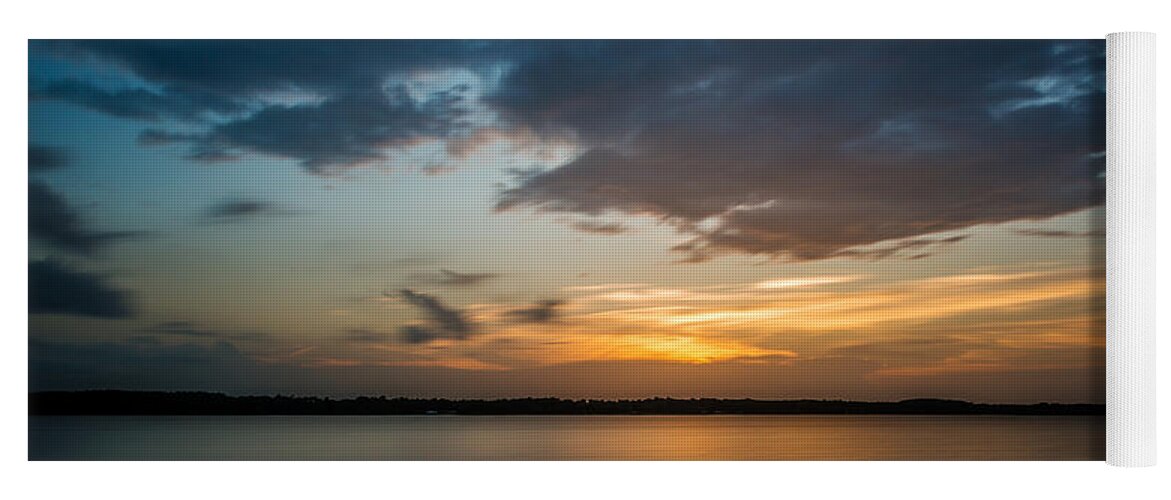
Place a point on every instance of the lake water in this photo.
(715, 437)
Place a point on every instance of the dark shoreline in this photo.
(205, 403)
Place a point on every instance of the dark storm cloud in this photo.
(244, 67)
(348, 130)
(53, 221)
(788, 149)
(351, 117)
(803, 151)
(44, 158)
(544, 311)
(443, 321)
(55, 288)
(598, 90)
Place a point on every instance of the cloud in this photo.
(420, 334)
(45, 158)
(1057, 233)
(239, 210)
(806, 150)
(137, 103)
(447, 277)
(804, 281)
(248, 67)
(443, 322)
(55, 288)
(157, 137)
(345, 131)
(544, 311)
(920, 246)
(595, 227)
(53, 221)
(816, 307)
(798, 150)
(697, 250)
(324, 104)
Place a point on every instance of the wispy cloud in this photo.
(242, 210)
(595, 227)
(447, 277)
(805, 281)
(861, 307)
(544, 311)
(1060, 233)
(443, 322)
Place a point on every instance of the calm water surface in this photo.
(718, 437)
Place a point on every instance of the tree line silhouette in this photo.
(206, 403)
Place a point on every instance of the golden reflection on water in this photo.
(715, 437)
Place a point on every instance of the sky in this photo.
(865, 220)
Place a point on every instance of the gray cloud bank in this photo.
(786, 149)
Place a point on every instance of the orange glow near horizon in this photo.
(1003, 319)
